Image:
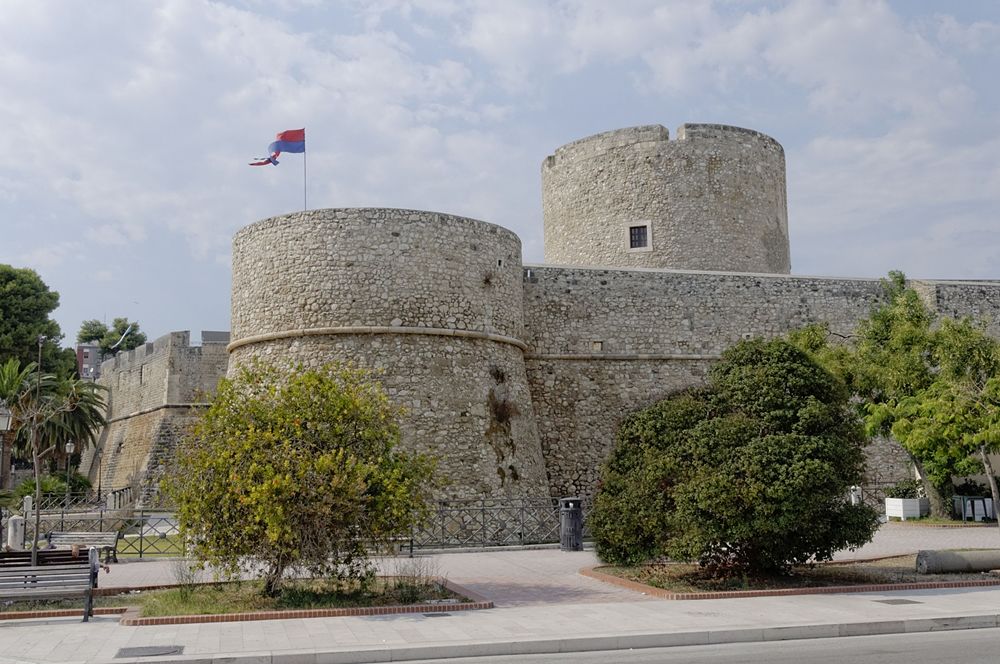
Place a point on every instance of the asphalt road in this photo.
(975, 646)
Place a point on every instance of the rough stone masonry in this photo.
(661, 254)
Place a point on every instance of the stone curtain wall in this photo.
(714, 199)
(664, 312)
(603, 343)
(431, 301)
(580, 403)
(156, 391)
(979, 300)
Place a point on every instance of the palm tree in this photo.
(77, 408)
(15, 381)
(47, 412)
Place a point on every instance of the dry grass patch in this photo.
(247, 596)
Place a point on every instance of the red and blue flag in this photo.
(290, 140)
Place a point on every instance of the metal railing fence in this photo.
(142, 534)
(487, 522)
(109, 499)
(473, 523)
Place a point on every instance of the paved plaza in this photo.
(542, 605)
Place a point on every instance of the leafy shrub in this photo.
(296, 469)
(52, 485)
(748, 476)
(905, 489)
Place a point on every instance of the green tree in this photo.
(120, 336)
(952, 423)
(15, 380)
(25, 305)
(91, 330)
(923, 381)
(48, 411)
(297, 469)
(748, 476)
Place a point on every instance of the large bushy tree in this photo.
(121, 335)
(747, 476)
(951, 425)
(929, 383)
(25, 305)
(297, 469)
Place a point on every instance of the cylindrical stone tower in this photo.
(712, 199)
(433, 301)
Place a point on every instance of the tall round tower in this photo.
(712, 199)
(432, 301)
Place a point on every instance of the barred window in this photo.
(638, 237)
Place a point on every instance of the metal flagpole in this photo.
(305, 206)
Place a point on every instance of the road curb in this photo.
(387, 653)
(596, 573)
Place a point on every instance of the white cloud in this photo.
(155, 127)
(979, 36)
(47, 256)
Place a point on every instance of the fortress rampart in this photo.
(711, 199)
(516, 377)
(155, 391)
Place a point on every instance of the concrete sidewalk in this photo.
(543, 605)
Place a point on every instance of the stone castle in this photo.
(659, 254)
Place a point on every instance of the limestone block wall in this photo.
(432, 300)
(712, 199)
(155, 391)
(979, 300)
(603, 343)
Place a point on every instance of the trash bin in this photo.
(570, 524)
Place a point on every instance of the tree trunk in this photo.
(933, 495)
(7, 437)
(272, 579)
(993, 481)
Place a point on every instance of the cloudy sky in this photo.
(129, 124)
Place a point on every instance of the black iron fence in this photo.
(473, 523)
(490, 522)
(141, 534)
(108, 499)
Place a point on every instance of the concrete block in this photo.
(737, 636)
(946, 624)
(870, 628)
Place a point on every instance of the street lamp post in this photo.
(35, 461)
(6, 418)
(69, 453)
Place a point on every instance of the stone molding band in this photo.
(464, 334)
(619, 356)
(146, 411)
(376, 329)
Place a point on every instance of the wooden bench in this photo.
(76, 579)
(45, 557)
(106, 542)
